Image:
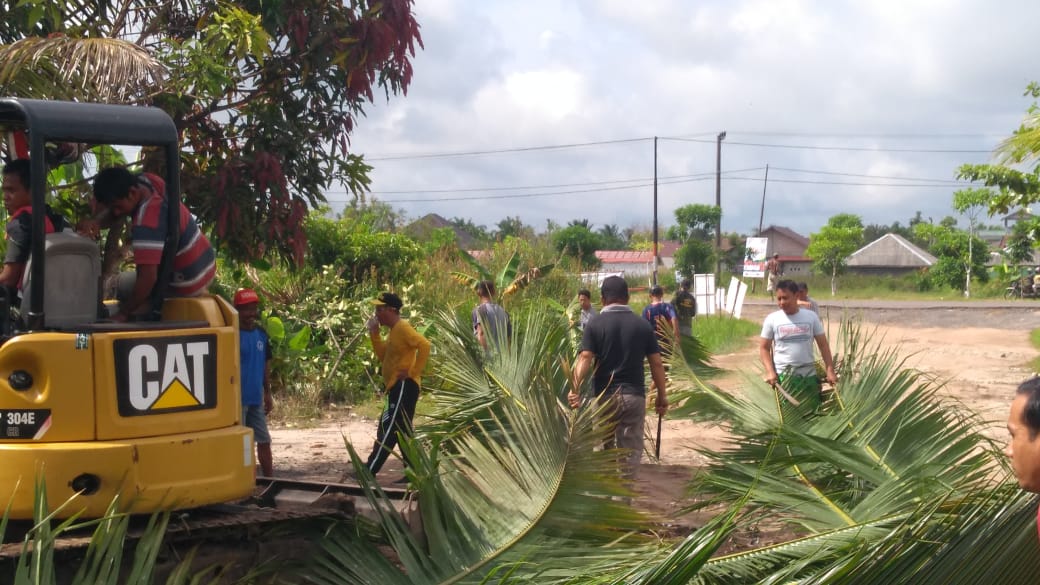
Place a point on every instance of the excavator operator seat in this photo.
(72, 275)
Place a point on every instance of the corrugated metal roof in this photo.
(891, 250)
(788, 232)
(624, 256)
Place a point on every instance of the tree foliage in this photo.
(479, 233)
(613, 237)
(1014, 187)
(513, 227)
(356, 251)
(831, 247)
(950, 247)
(265, 94)
(694, 229)
(971, 203)
(578, 241)
(874, 231)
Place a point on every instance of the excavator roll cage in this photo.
(53, 121)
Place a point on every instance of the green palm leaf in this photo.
(988, 537)
(508, 273)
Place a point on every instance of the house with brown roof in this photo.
(791, 246)
(891, 254)
(629, 262)
(641, 263)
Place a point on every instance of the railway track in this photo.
(276, 502)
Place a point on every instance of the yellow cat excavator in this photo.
(147, 410)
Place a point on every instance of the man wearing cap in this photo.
(617, 341)
(255, 355)
(403, 355)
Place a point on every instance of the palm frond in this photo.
(986, 537)
(85, 69)
(516, 486)
(1024, 144)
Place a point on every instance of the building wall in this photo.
(782, 244)
(794, 269)
(630, 269)
(883, 270)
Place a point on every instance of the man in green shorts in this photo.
(786, 347)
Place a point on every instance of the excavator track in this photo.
(276, 501)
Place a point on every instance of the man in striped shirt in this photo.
(143, 198)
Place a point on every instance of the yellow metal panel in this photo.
(223, 408)
(62, 382)
(212, 309)
(180, 471)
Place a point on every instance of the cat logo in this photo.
(163, 375)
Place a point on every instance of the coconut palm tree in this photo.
(887, 484)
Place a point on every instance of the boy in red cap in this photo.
(255, 352)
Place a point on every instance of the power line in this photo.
(543, 194)
(504, 150)
(552, 186)
(907, 135)
(840, 148)
(675, 181)
(693, 137)
(859, 175)
(946, 184)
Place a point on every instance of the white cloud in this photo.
(888, 74)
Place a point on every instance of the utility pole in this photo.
(718, 204)
(654, 273)
(762, 210)
(761, 215)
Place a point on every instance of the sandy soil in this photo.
(981, 354)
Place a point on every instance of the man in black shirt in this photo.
(618, 341)
(685, 308)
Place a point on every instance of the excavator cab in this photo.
(148, 410)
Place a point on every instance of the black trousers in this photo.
(396, 418)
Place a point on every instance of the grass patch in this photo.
(1034, 338)
(722, 333)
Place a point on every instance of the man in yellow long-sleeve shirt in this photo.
(403, 355)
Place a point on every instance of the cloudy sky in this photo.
(547, 109)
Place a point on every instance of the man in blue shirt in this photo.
(662, 317)
(255, 352)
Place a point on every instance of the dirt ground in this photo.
(981, 353)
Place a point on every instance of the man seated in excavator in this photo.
(119, 193)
